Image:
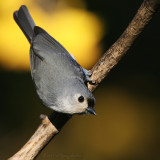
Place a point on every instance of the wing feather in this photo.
(52, 52)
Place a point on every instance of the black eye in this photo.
(81, 99)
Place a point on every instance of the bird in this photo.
(60, 82)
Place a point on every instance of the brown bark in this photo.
(41, 137)
(50, 127)
(121, 46)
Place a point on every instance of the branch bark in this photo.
(52, 125)
(121, 46)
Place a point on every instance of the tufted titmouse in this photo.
(60, 82)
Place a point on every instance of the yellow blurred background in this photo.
(77, 29)
(127, 124)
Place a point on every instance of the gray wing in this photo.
(47, 50)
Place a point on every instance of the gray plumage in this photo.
(61, 83)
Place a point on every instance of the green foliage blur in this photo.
(127, 124)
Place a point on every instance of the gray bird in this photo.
(60, 82)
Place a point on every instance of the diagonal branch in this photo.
(52, 125)
(122, 45)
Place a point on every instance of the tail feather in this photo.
(25, 22)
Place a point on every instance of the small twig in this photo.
(50, 127)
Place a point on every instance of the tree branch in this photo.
(52, 125)
(121, 46)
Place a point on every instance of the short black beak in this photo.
(91, 110)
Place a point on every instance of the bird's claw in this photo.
(93, 82)
(88, 73)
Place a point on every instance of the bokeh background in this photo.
(127, 125)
